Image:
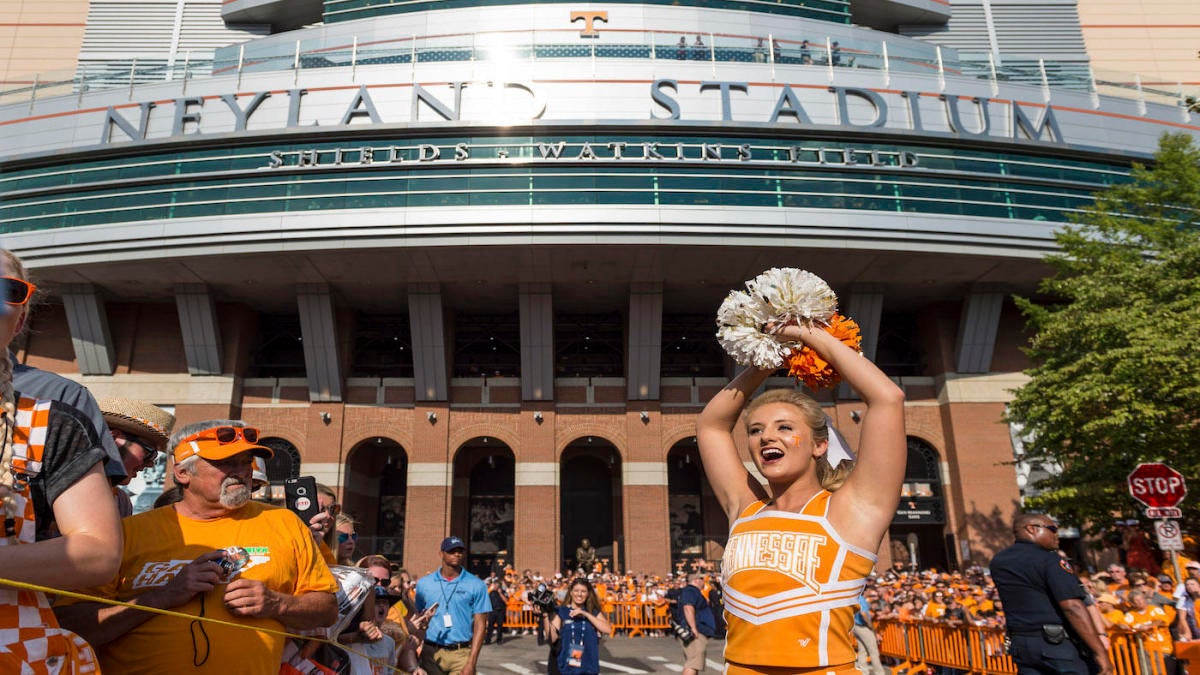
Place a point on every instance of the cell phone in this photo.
(300, 497)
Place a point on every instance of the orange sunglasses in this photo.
(17, 292)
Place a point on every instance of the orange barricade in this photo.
(638, 617)
(635, 617)
(517, 617)
(980, 649)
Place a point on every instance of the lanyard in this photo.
(442, 586)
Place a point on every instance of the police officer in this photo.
(1048, 624)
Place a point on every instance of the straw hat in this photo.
(138, 418)
(1109, 598)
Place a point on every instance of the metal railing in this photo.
(524, 49)
(980, 649)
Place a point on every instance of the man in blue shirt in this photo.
(699, 617)
(455, 633)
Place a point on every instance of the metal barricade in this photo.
(980, 649)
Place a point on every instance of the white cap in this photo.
(259, 477)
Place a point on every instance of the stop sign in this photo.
(1157, 485)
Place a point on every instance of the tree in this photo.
(1116, 349)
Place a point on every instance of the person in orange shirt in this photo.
(936, 608)
(1152, 621)
(798, 555)
(213, 554)
(1119, 584)
(1113, 618)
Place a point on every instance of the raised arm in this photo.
(89, 550)
(732, 484)
(866, 503)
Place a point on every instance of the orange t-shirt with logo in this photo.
(1159, 637)
(158, 543)
(791, 585)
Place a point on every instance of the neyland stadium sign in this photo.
(508, 103)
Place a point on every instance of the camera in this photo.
(683, 632)
(542, 599)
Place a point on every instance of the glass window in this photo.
(899, 352)
(487, 345)
(589, 345)
(382, 346)
(690, 347)
(279, 350)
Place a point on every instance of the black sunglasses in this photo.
(1052, 528)
(150, 453)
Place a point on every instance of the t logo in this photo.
(588, 17)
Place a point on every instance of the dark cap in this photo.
(452, 542)
(1163, 578)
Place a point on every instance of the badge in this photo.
(447, 621)
(1065, 565)
(575, 655)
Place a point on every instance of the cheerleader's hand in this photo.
(792, 332)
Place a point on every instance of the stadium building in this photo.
(461, 259)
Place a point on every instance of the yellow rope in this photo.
(180, 615)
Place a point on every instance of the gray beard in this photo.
(234, 498)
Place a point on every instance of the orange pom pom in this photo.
(815, 372)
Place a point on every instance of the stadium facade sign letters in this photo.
(513, 102)
(582, 151)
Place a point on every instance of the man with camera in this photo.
(213, 555)
(697, 618)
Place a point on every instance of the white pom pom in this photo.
(739, 329)
(794, 295)
(779, 295)
(749, 346)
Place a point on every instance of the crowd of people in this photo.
(216, 576)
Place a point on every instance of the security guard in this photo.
(1048, 624)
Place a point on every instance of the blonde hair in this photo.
(830, 477)
(8, 409)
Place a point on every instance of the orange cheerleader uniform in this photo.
(791, 585)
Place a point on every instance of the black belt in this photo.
(452, 645)
(1026, 632)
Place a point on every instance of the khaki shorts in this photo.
(437, 661)
(694, 655)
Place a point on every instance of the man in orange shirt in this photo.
(1153, 621)
(214, 554)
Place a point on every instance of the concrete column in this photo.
(865, 306)
(977, 330)
(321, 364)
(646, 511)
(88, 321)
(430, 478)
(645, 341)
(428, 341)
(201, 332)
(537, 342)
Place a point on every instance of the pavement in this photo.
(521, 655)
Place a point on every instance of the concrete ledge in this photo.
(644, 473)
(990, 388)
(537, 473)
(429, 474)
(165, 389)
(326, 473)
